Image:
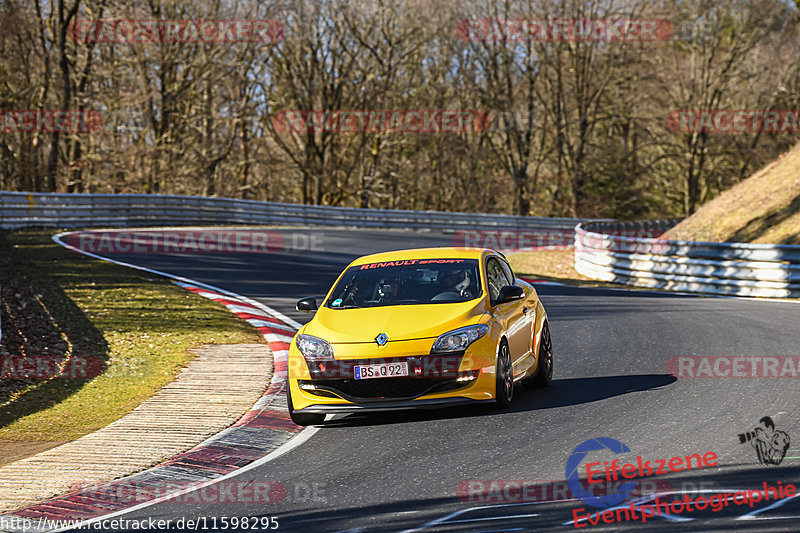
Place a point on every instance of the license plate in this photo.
(383, 370)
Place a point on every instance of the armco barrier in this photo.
(604, 252)
(21, 209)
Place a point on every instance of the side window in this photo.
(495, 277)
(508, 273)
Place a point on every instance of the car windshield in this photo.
(407, 282)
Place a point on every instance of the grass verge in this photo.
(60, 304)
(553, 265)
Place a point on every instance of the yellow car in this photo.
(418, 328)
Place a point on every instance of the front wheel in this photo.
(504, 388)
(302, 419)
(544, 374)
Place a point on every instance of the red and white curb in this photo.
(262, 434)
(277, 331)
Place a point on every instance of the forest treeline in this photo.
(567, 103)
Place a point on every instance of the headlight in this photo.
(458, 339)
(314, 349)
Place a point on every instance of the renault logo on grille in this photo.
(381, 339)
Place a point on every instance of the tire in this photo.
(302, 419)
(544, 372)
(504, 380)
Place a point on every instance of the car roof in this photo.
(424, 253)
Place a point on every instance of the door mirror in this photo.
(307, 305)
(509, 293)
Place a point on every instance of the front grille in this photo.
(433, 366)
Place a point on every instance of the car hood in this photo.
(398, 322)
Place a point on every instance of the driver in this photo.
(457, 281)
(388, 289)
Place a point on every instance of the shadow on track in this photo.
(561, 393)
(452, 514)
(474, 512)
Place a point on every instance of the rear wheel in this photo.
(544, 374)
(504, 391)
(302, 419)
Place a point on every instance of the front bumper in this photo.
(433, 381)
(427, 375)
(400, 405)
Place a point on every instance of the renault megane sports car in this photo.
(418, 329)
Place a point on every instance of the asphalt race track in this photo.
(405, 472)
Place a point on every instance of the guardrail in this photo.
(21, 209)
(605, 252)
